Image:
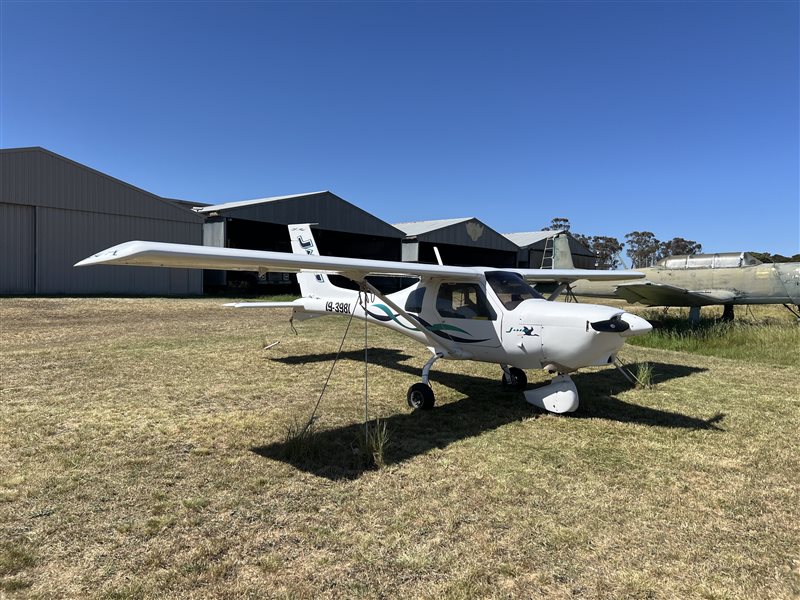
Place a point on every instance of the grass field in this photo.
(761, 333)
(144, 453)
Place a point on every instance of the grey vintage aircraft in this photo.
(697, 280)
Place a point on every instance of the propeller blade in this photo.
(613, 325)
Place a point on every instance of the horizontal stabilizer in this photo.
(264, 305)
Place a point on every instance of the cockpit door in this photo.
(464, 315)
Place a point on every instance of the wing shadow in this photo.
(334, 453)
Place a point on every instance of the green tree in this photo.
(679, 246)
(558, 223)
(643, 247)
(606, 249)
(775, 258)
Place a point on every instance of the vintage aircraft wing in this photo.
(661, 294)
(570, 275)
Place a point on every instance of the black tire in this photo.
(515, 379)
(420, 395)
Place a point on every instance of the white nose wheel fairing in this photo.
(559, 396)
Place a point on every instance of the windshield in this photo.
(510, 288)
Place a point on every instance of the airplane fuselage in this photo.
(533, 334)
(777, 283)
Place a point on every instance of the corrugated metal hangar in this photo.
(466, 241)
(54, 212)
(340, 228)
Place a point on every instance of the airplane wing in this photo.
(161, 254)
(570, 275)
(661, 294)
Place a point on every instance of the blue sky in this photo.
(681, 118)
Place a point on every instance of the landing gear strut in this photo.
(513, 378)
(727, 313)
(420, 395)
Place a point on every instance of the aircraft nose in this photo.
(636, 325)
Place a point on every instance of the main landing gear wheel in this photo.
(514, 379)
(420, 395)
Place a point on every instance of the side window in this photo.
(414, 301)
(463, 301)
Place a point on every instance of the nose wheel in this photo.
(513, 378)
(420, 395)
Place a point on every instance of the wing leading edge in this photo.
(161, 254)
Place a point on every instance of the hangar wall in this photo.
(17, 243)
(55, 212)
(60, 238)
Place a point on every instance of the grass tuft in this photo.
(375, 443)
(644, 375)
(15, 585)
(195, 503)
(15, 557)
(300, 443)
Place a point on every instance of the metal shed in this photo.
(55, 212)
(465, 241)
(535, 249)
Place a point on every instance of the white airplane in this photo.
(462, 313)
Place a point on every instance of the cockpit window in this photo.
(463, 301)
(414, 300)
(510, 288)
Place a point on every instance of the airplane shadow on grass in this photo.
(334, 453)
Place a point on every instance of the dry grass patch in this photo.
(144, 453)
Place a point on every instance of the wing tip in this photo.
(110, 254)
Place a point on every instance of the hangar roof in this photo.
(324, 208)
(529, 238)
(465, 231)
(38, 177)
(421, 227)
(254, 202)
